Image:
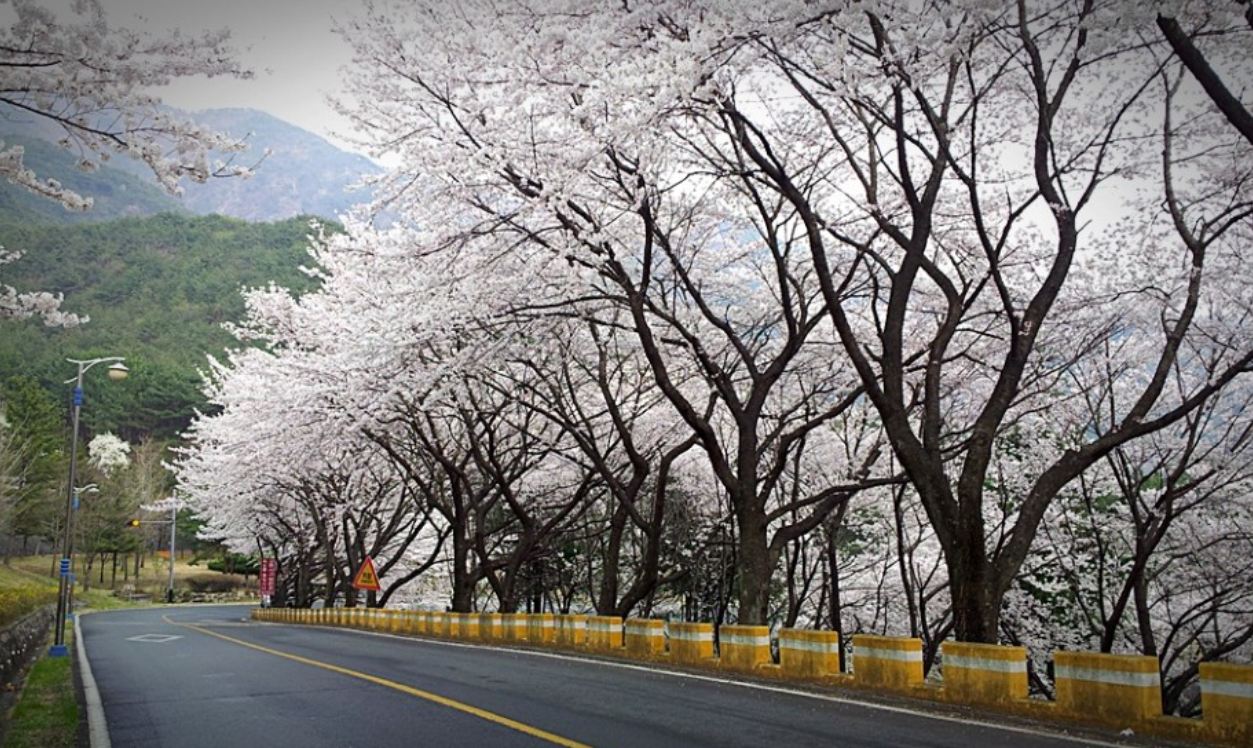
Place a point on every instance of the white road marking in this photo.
(153, 638)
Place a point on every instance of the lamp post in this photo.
(173, 523)
(169, 593)
(117, 372)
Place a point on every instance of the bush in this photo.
(207, 583)
(16, 602)
(236, 563)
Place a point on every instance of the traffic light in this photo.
(133, 523)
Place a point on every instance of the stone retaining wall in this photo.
(20, 641)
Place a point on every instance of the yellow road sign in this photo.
(366, 578)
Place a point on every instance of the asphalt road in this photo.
(208, 676)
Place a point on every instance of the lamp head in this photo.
(118, 371)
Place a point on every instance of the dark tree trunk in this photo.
(755, 565)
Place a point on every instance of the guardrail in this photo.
(1122, 692)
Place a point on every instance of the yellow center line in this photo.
(435, 698)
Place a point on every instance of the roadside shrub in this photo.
(210, 583)
(236, 563)
(16, 602)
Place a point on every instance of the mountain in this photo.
(157, 290)
(303, 175)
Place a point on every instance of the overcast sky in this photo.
(289, 44)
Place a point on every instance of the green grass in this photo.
(33, 571)
(46, 714)
(22, 592)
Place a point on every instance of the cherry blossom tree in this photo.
(912, 287)
(596, 387)
(654, 144)
(90, 85)
(1148, 552)
(554, 159)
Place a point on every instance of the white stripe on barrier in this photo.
(692, 636)
(1227, 688)
(644, 629)
(897, 655)
(1116, 677)
(984, 663)
(810, 645)
(745, 640)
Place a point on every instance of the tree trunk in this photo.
(607, 600)
(976, 602)
(463, 581)
(754, 564)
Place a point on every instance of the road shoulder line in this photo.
(97, 726)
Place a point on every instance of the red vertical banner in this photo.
(269, 576)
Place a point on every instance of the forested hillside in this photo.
(157, 291)
(115, 193)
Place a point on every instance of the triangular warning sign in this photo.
(366, 578)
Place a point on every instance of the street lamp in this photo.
(117, 372)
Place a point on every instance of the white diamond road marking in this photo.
(153, 638)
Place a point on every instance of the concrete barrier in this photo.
(692, 643)
(444, 625)
(434, 624)
(809, 654)
(887, 661)
(406, 622)
(541, 628)
(572, 631)
(604, 633)
(984, 674)
(1227, 701)
(491, 627)
(1107, 689)
(645, 638)
(468, 627)
(513, 627)
(744, 648)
